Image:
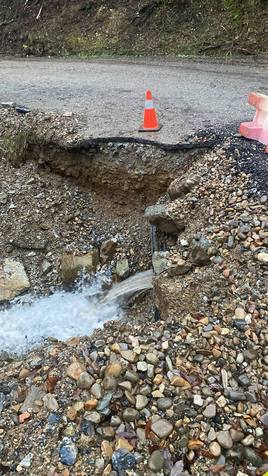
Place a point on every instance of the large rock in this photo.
(181, 186)
(122, 268)
(72, 265)
(160, 261)
(200, 251)
(159, 216)
(107, 249)
(13, 279)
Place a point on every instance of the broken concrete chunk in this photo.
(72, 265)
(13, 279)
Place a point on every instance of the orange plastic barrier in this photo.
(258, 128)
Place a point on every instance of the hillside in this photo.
(131, 27)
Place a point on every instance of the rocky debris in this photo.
(160, 261)
(159, 216)
(182, 186)
(72, 266)
(13, 279)
(107, 250)
(122, 268)
(138, 400)
(200, 251)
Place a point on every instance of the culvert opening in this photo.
(81, 213)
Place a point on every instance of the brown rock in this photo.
(72, 265)
(75, 369)
(13, 279)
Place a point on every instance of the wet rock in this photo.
(159, 216)
(160, 261)
(13, 279)
(72, 265)
(122, 268)
(46, 267)
(68, 452)
(156, 461)
(162, 428)
(224, 439)
(122, 459)
(107, 249)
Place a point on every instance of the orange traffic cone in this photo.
(150, 121)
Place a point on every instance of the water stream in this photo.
(63, 314)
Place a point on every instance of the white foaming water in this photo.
(61, 315)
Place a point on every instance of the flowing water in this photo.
(62, 315)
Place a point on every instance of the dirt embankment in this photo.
(127, 27)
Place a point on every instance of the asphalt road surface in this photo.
(109, 94)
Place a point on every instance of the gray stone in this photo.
(156, 461)
(236, 396)
(85, 381)
(210, 411)
(122, 268)
(243, 380)
(200, 251)
(162, 428)
(34, 394)
(130, 414)
(141, 401)
(160, 261)
(164, 403)
(224, 439)
(132, 376)
(159, 216)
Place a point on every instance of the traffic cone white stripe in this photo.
(149, 104)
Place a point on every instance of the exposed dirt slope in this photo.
(149, 27)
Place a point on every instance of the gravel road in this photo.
(109, 94)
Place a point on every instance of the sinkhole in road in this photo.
(115, 182)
